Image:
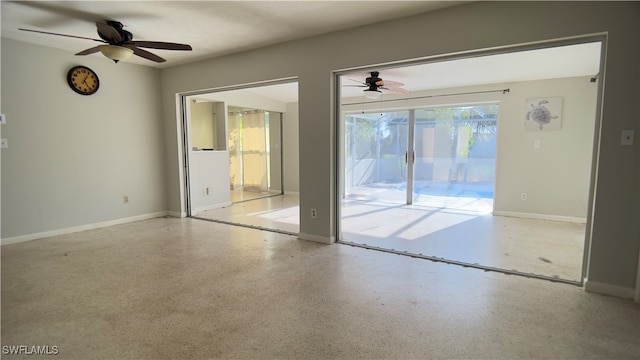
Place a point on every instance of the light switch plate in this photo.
(627, 137)
(4, 143)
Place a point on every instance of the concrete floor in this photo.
(454, 228)
(171, 288)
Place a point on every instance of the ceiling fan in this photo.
(119, 44)
(375, 86)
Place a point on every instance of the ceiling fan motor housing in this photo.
(125, 36)
(373, 81)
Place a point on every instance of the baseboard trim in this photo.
(317, 238)
(211, 207)
(608, 289)
(516, 214)
(177, 214)
(74, 229)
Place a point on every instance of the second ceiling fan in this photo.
(375, 86)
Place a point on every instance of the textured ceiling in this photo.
(212, 28)
(215, 28)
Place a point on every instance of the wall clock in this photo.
(83, 80)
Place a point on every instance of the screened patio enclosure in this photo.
(433, 156)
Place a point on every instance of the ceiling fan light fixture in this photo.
(372, 94)
(116, 53)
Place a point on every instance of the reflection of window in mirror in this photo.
(207, 120)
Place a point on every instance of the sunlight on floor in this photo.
(459, 229)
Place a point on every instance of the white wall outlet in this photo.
(536, 144)
(3, 119)
(314, 213)
(125, 199)
(4, 143)
(523, 196)
(627, 137)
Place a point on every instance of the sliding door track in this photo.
(246, 226)
(406, 253)
(463, 264)
(257, 198)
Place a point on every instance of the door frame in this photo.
(339, 132)
(183, 131)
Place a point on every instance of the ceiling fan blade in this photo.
(399, 91)
(160, 45)
(390, 83)
(57, 34)
(108, 31)
(92, 50)
(358, 81)
(144, 53)
(360, 86)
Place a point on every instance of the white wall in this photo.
(555, 176)
(209, 180)
(202, 121)
(470, 27)
(209, 170)
(72, 158)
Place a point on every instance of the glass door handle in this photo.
(406, 157)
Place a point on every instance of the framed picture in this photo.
(543, 114)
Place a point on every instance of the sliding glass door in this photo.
(376, 156)
(455, 157)
(432, 156)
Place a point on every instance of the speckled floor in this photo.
(171, 288)
(548, 248)
(459, 229)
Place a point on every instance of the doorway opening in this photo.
(456, 167)
(240, 154)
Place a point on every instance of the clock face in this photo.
(83, 80)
